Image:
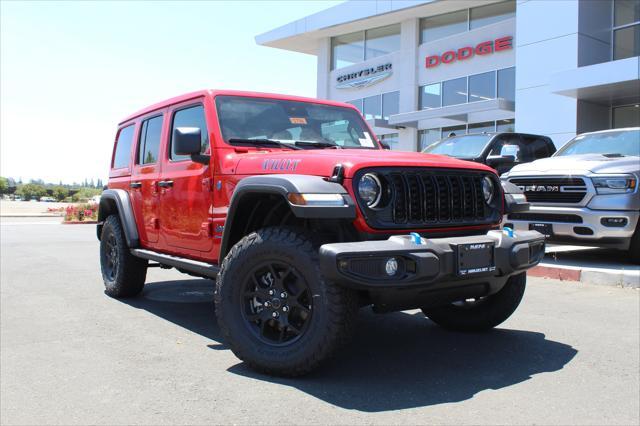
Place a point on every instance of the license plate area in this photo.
(476, 258)
(545, 229)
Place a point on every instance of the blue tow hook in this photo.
(508, 231)
(417, 239)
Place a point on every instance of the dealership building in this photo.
(420, 70)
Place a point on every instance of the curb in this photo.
(88, 222)
(30, 215)
(596, 276)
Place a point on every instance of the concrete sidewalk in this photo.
(588, 265)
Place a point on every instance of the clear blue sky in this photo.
(70, 71)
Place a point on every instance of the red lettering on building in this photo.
(484, 48)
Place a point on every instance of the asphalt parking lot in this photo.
(71, 355)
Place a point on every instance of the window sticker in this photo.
(366, 141)
(298, 120)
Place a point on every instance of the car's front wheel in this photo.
(275, 309)
(483, 313)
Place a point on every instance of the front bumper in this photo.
(579, 225)
(435, 264)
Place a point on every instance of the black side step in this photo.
(193, 266)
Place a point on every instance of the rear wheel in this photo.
(123, 274)
(274, 308)
(483, 313)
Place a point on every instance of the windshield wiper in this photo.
(318, 144)
(613, 155)
(243, 141)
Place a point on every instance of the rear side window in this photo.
(122, 156)
(190, 117)
(539, 148)
(150, 140)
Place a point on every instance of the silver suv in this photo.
(586, 193)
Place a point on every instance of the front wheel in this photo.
(274, 308)
(483, 313)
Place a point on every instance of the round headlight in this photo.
(487, 189)
(370, 189)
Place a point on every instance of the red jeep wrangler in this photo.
(295, 210)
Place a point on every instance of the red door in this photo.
(146, 173)
(185, 189)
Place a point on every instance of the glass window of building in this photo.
(436, 27)
(372, 107)
(487, 126)
(482, 87)
(492, 13)
(506, 125)
(382, 41)
(356, 103)
(390, 104)
(626, 12)
(626, 42)
(626, 116)
(507, 84)
(427, 137)
(347, 49)
(453, 131)
(430, 96)
(454, 92)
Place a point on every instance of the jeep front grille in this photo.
(552, 190)
(419, 198)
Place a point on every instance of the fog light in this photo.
(391, 267)
(614, 221)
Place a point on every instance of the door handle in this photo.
(165, 183)
(135, 185)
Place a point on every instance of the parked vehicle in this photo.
(292, 207)
(47, 199)
(502, 150)
(587, 193)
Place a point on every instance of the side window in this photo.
(190, 117)
(122, 156)
(149, 144)
(538, 147)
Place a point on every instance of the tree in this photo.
(31, 190)
(4, 185)
(60, 193)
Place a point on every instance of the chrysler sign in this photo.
(467, 52)
(365, 77)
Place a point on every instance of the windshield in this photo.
(467, 146)
(288, 122)
(625, 142)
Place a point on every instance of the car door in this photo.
(146, 174)
(185, 188)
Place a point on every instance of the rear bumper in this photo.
(433, 265)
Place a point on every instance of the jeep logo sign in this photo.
(463, 53)
(365, 77)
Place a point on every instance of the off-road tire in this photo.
(485, 313)
(333, 309)
(634, 246)
(123, 274)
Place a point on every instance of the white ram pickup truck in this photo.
(586, 193)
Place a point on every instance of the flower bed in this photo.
(81, 213)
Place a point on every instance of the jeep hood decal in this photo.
(320, 162)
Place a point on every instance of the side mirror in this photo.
(496, 160)
(186, 141)
(384, 145)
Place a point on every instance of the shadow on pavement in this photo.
(395, 361)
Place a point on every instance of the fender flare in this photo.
(514, 199)
(119, 198)
(289, 184)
